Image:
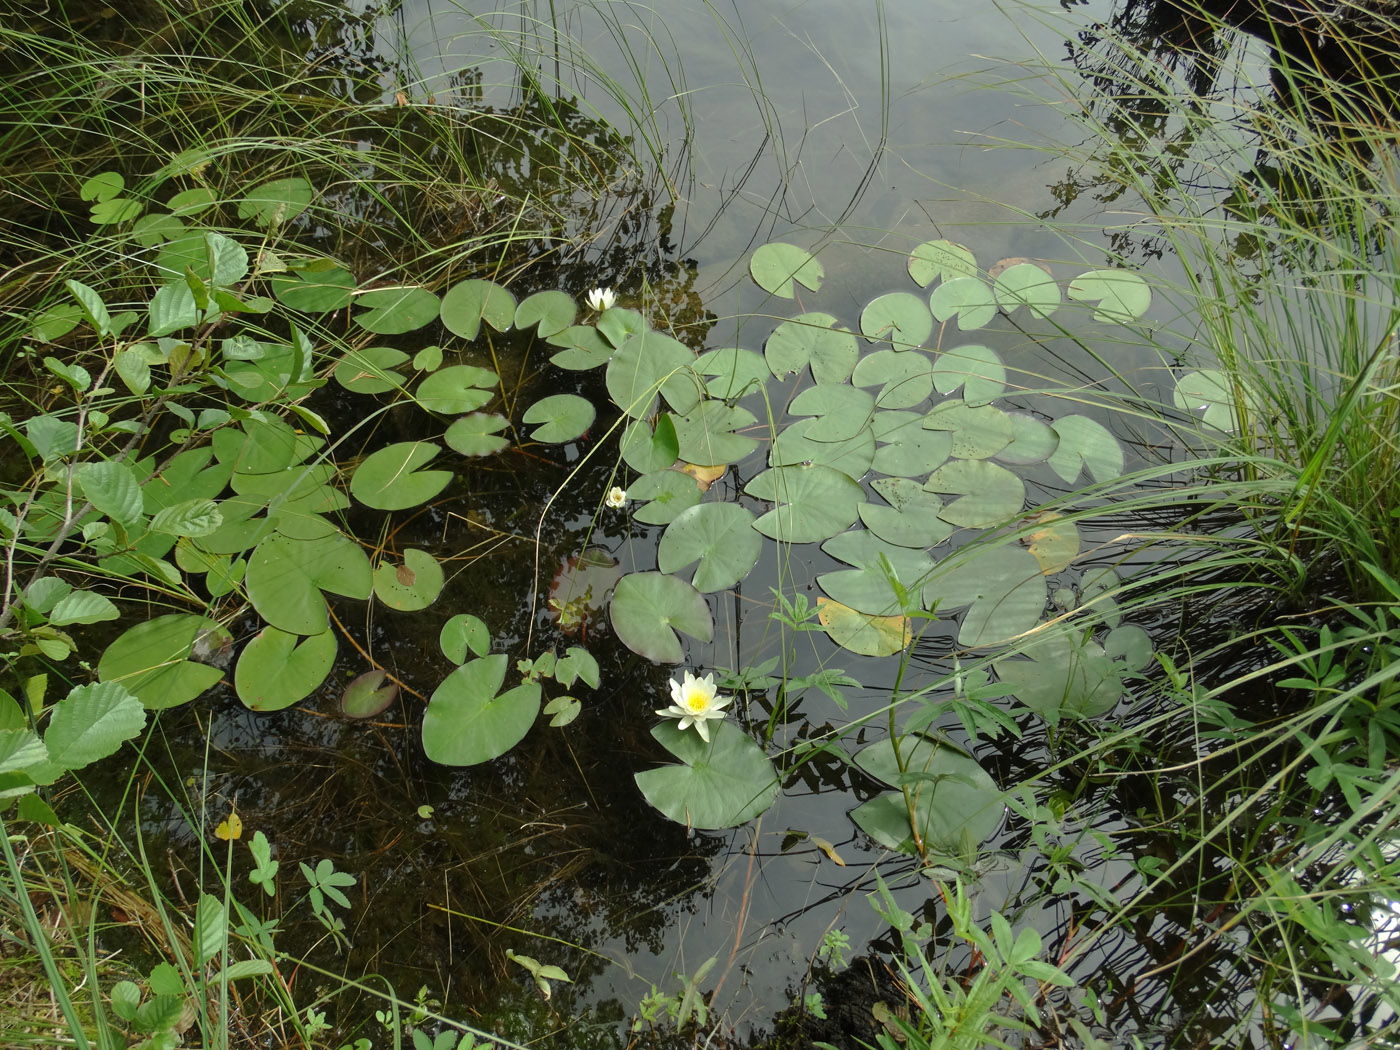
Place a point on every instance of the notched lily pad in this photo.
(648, 608)
(368, 695)
(777, 265)
(721, 784)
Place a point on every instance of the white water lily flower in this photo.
(695, 703)
(601, 299)
(617, 497)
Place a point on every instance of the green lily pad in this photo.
(1032, 441)
(979, 431)
(911, 520)
(905, 377)
(648, 363)
(1054, 543)
(1086, 444)
(469, 720)
(723, 784)
(285, 578)
(706, 434)
(102, 187)
(908, 449)
(841, 412)
(777, 265)
(1001, 586)
(646, 606)
(736, 372)
(1207, 395)
(1026, 284)
(275, 672)
(851, 457)
(940, 260)
(477, 434)
(977, 369)
(1063, 676)
(371, 370)
(461, 633)
(668, 491)
(868, 587)
(153, 660)
(721, 536)
(562, 418)
(989, 494)
(315, 289)
(265, 445)
(645, 450)
(467, 303)
(457, 389)
(969, 299)
(277, 202)
(814, 503)
(392, 311)
(816, 339)
(554, 311)
(957, 806)
(584, 348)
(390, 479)
(414, 584)
(1122, 295)
(619, 324)
(367, 695)
(899, 318)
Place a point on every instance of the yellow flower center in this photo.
(696, 700)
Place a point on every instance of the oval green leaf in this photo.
(777, 265)
(274, 672)
(467, 722)
(721, 784)
(467, 303)
(721, 536)
(412, 585)
(562, 418)
(390, 479)
(648, 608)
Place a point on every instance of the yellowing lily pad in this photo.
(862, 633)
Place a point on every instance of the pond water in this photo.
(859, 129)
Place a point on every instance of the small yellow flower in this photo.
(617, 497)
(694, 702)
(601, 299)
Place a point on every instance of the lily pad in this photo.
(911, 520)
(793, 448)
(841, 412)
(648, 363)
(646, 606)
(1086, 444)
(371, 370)
(457, 389)
(390, 479)
(706, 434)
(979, 431)
(562, 418)
(392, 311)
(1061, 676)
(1206, 395)
(814, 503)
(905, 377)
(467, 303)
(977, 369)
(275, 672)
(667, 492)
(414, 584)
(477, 434)
(899, 318)
(368, 695)
(554, 311)
(461, 633)
(935, 260)
(863, 633)
(1002, 588)
(908, 449)
(469, 720)
(285, 578)
(1026, 284)
(989, 494)
(153, 660)
(721, 784)
(1032, 441)
(645, 450)
(277, 202)
(777, 265)
(1122, 295)
(315, 289)
(721, 536)
(868, 587)
(817, 339)
(957, 806)
(736, 372)
(969, 299)
(584, 348)
(1054, 543)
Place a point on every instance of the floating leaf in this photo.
(371, 370)
(1122, 295)
(619, 325)
(736, 372)
(1086, 444)
(461, 633)
(912, 518)
(315, 289)
(899, 318)
(990, 494)
(970, 299)
(467, 303)
(706, 434)
(1003, 588)
(1130, 644)
(907, 377)
(553, 311)
(276, 202)
(152, 660)
(584, 348)
(1063, 676)
(816, 339)
(562, 710)
(562, 418)
(429, 359)
(469, 720)
(868, 588)
(477, 434)
(721, 535)
(286, 576)
(956, 804)
(390, 479)
(414, 584)
(934, 260)
(979, 431)
(977, 369)
(669, 492)
(1026, 284)
(721, 784)
(1054, 544)
(275, 672)
(851, 457)
(118, 209)
(814, 503)
(647, 363)
(102, 187)
(645, 450)
(92, 722)
(1207, 395)
(368, 695)
(862, 633)
(396, 310)
(646, 606)
(908, 449)
(1031, 441)
(777, 265)
(842, 411)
